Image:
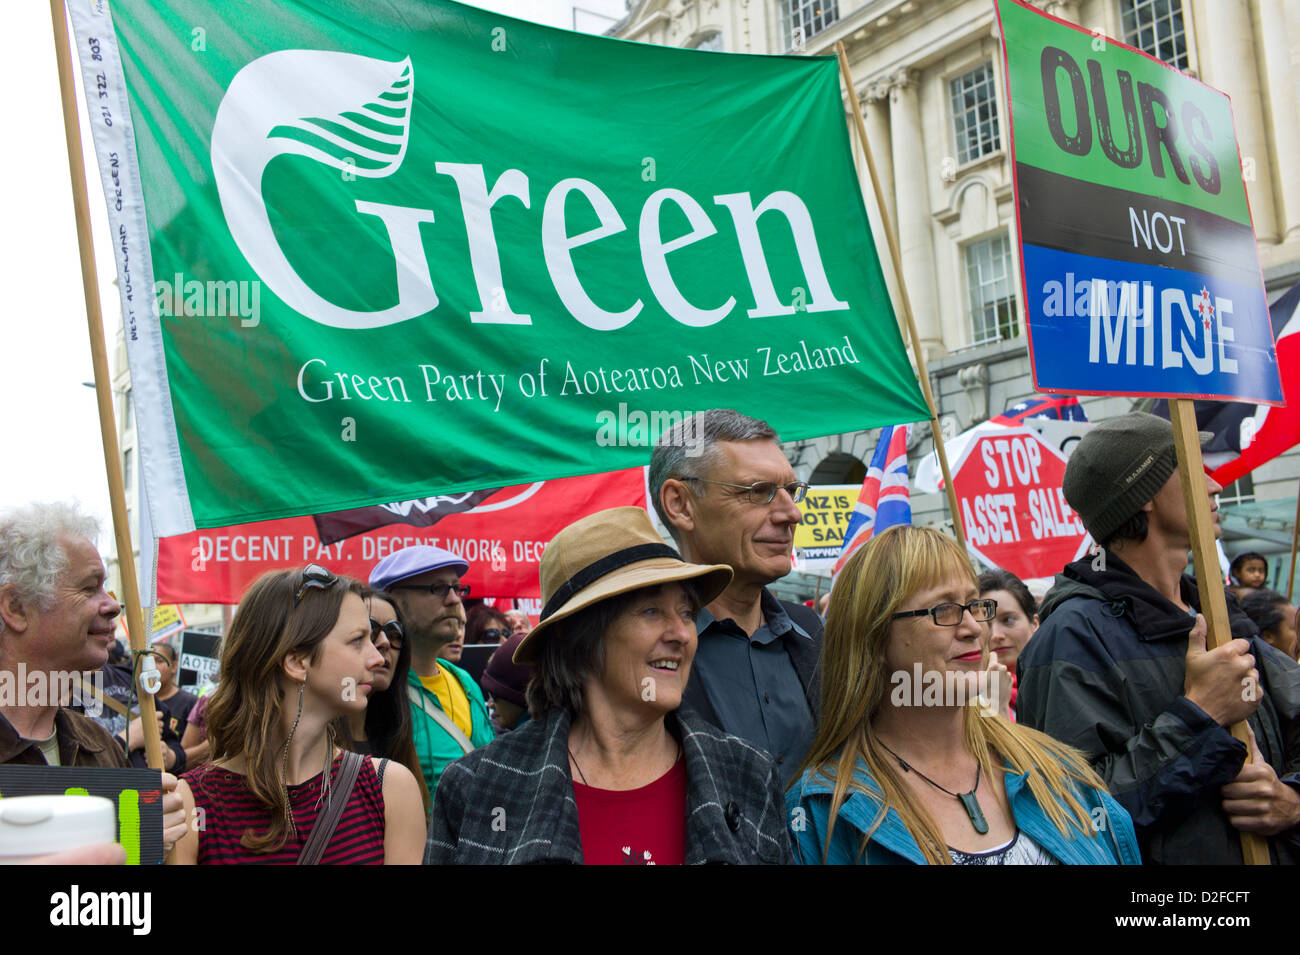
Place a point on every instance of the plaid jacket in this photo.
(512, 801)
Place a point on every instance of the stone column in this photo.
(1281, 36)
(915, 238)
(875, 107)
(1229, 65)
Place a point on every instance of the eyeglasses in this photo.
(494, 634)
(761, 492)
(950, 614)
(314, 577)
(439, 591)
(393, 630)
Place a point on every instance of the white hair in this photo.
(32, 557)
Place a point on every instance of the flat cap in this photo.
(413, 561)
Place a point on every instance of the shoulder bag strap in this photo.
(439, 717)
(328, 820)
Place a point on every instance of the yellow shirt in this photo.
(451, 697)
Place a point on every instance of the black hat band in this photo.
(593, 572)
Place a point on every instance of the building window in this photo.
(711, 41)
(126, 468)
(126, 410)
(991, 283)
(807, 18)
(975, 114)
(1156, 27)
(1240, 491)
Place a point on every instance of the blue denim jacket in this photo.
(809, 802)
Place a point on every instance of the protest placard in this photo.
(200, 659)
(1141, 274)
(1008, 487)
(137, 794)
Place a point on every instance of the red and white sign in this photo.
(502, 539)
(1008, 487)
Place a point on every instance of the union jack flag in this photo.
(884, 499)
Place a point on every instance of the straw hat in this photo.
(603, 555)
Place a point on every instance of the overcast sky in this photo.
(52, 445)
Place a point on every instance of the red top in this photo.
(645, 826)
(229, 809)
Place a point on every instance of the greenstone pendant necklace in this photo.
(967, 800)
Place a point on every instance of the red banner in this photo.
(502, 539)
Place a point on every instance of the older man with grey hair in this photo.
(56, 622)
(723, 487)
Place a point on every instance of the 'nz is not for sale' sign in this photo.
(1140, 267)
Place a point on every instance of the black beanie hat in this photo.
(1119, 466)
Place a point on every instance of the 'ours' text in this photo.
(1149, 114)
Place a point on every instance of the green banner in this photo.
(392, 250)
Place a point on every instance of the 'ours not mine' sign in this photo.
(1140, 266)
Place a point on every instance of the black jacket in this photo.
(512, 801)
(1105, 673)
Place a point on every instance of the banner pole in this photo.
(1182, 412)
(103, 384)
(935, 431)
(1295, 538)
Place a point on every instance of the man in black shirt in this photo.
(724, 488)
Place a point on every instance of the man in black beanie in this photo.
(1119, 667)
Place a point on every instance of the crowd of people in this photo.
(668, 708)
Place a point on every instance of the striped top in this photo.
(229, 809)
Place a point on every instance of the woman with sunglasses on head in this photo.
(278, 790)
(612, 769)
(384, 727)
(930, 773)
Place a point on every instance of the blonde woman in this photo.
(907, 765)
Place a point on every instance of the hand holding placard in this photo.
(1217, 679)
(1257, 801)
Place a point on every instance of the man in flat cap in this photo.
(448, 713)
(1119, 667)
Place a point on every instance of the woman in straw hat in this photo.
(909, 763)
(610, 770)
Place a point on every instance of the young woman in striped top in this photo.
(299, 654)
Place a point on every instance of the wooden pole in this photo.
(103, 385)
(905, 301)
(1209, 582)
(1295, 538)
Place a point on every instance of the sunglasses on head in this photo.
(314, 577)
(392, 630)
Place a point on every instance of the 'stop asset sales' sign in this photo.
(1140, 268)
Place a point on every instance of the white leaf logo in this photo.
(350, 112)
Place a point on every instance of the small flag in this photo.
(1057, 407)
(884, 500)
